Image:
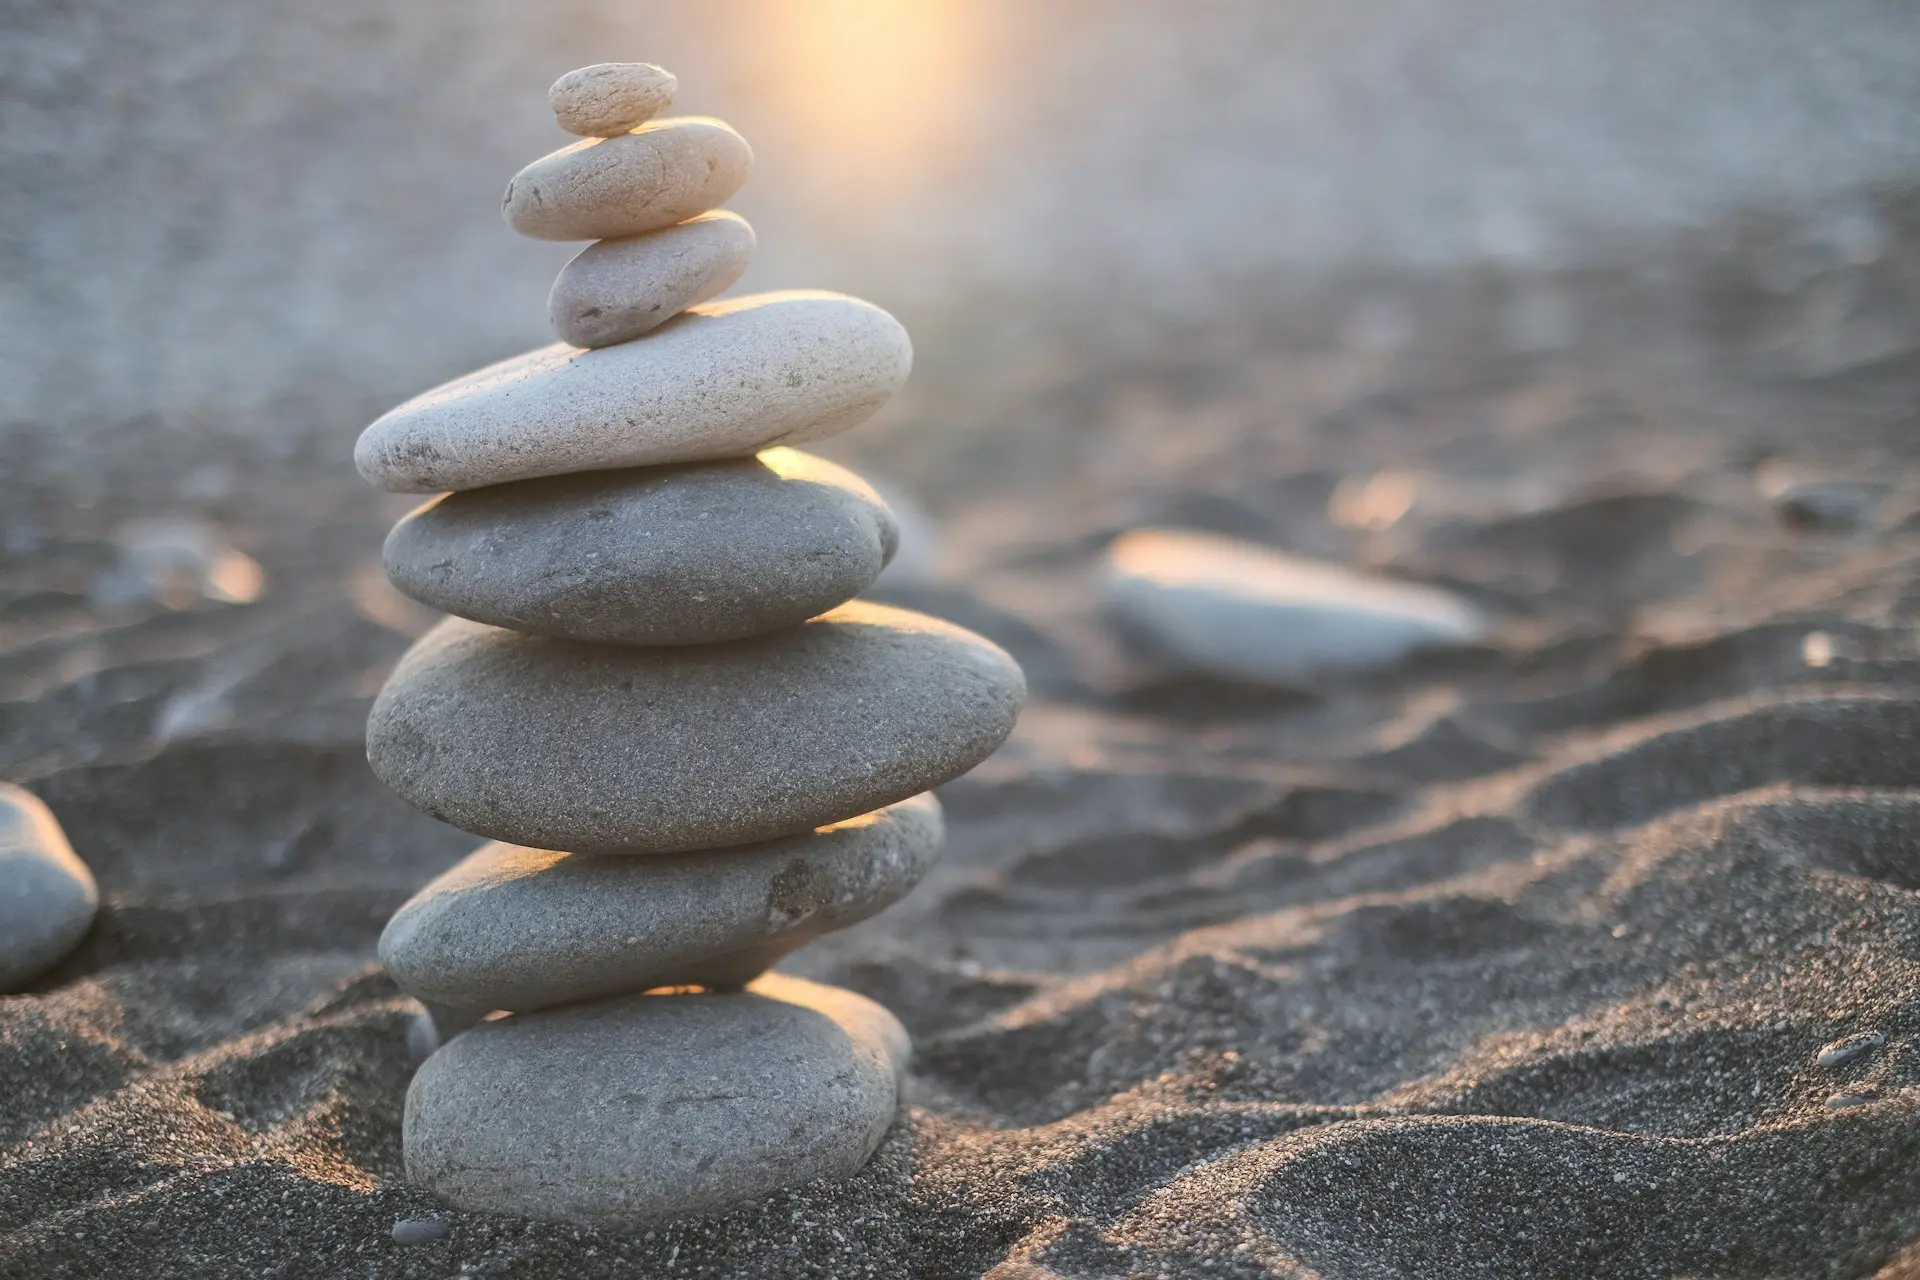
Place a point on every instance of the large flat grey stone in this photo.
(690, 554)
(47, 895)
(633, 1111)
(516, 928)
(561, 744)
(721, 380)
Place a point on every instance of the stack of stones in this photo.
(692, 752)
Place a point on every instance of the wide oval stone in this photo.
(610, 98)
(47, 896)
(1239, 611)
(692, 554)
(615, 290)
(516, 928)
(634, 1111)
(561, 744)
(664, 172)
(722, 380)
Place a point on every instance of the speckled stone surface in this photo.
(559, 744)
(632, 1111)
(722, 380)
(47, 895)
(610, 98)
(689, 554)
(664, 172)
(616, 290)
(516, 928)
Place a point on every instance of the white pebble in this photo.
(723, 380)
(615, 290)
(1849, 1048)
(610, 98)
(1240, 611)
(47, 896)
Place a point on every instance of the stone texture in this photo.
(691, 554)
(47, 895)
(610, 98)
(664, 172)
(722, 380)
(616, 290)
(560, 744)
(1243, 612)
(633, 1111)
(516, 928)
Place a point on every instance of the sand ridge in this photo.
(1515, 961)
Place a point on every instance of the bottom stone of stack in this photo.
(628, 1112)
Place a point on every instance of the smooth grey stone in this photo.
(610, 98)
(516, 928)
(634, 1111)
(613, 291)
(47, 895)
(722, 380)
(436, 1024)
(1833, 505)
(423, 1037)
(1847, 1049)
(655, 556)
(561, 744)
(419, 1230)
(1243, 612)
(663, 172)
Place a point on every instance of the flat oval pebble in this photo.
(664, 172)
(47, 896)
(516, 928)
(561, 744)
(1243, 612)
(634, 1111)
(611, 98)
(615, 290)
(692, 554)
(722, 380)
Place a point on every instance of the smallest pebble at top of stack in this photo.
(611, 98)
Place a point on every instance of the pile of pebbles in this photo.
(693, 750)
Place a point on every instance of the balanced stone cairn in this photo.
(692, 753)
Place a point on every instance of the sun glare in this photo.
(879, 74)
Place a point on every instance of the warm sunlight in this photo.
(880, 77)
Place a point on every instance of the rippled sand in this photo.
(1513, 962)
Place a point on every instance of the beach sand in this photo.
(1509, 962)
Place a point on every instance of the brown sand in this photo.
(1514, 962)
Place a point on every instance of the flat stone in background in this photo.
(610, 98)
(629, 1112)
(516, 928)
(722, 380)
(47, 895)
(1240, 611)
(692, 554)
(664, 172)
